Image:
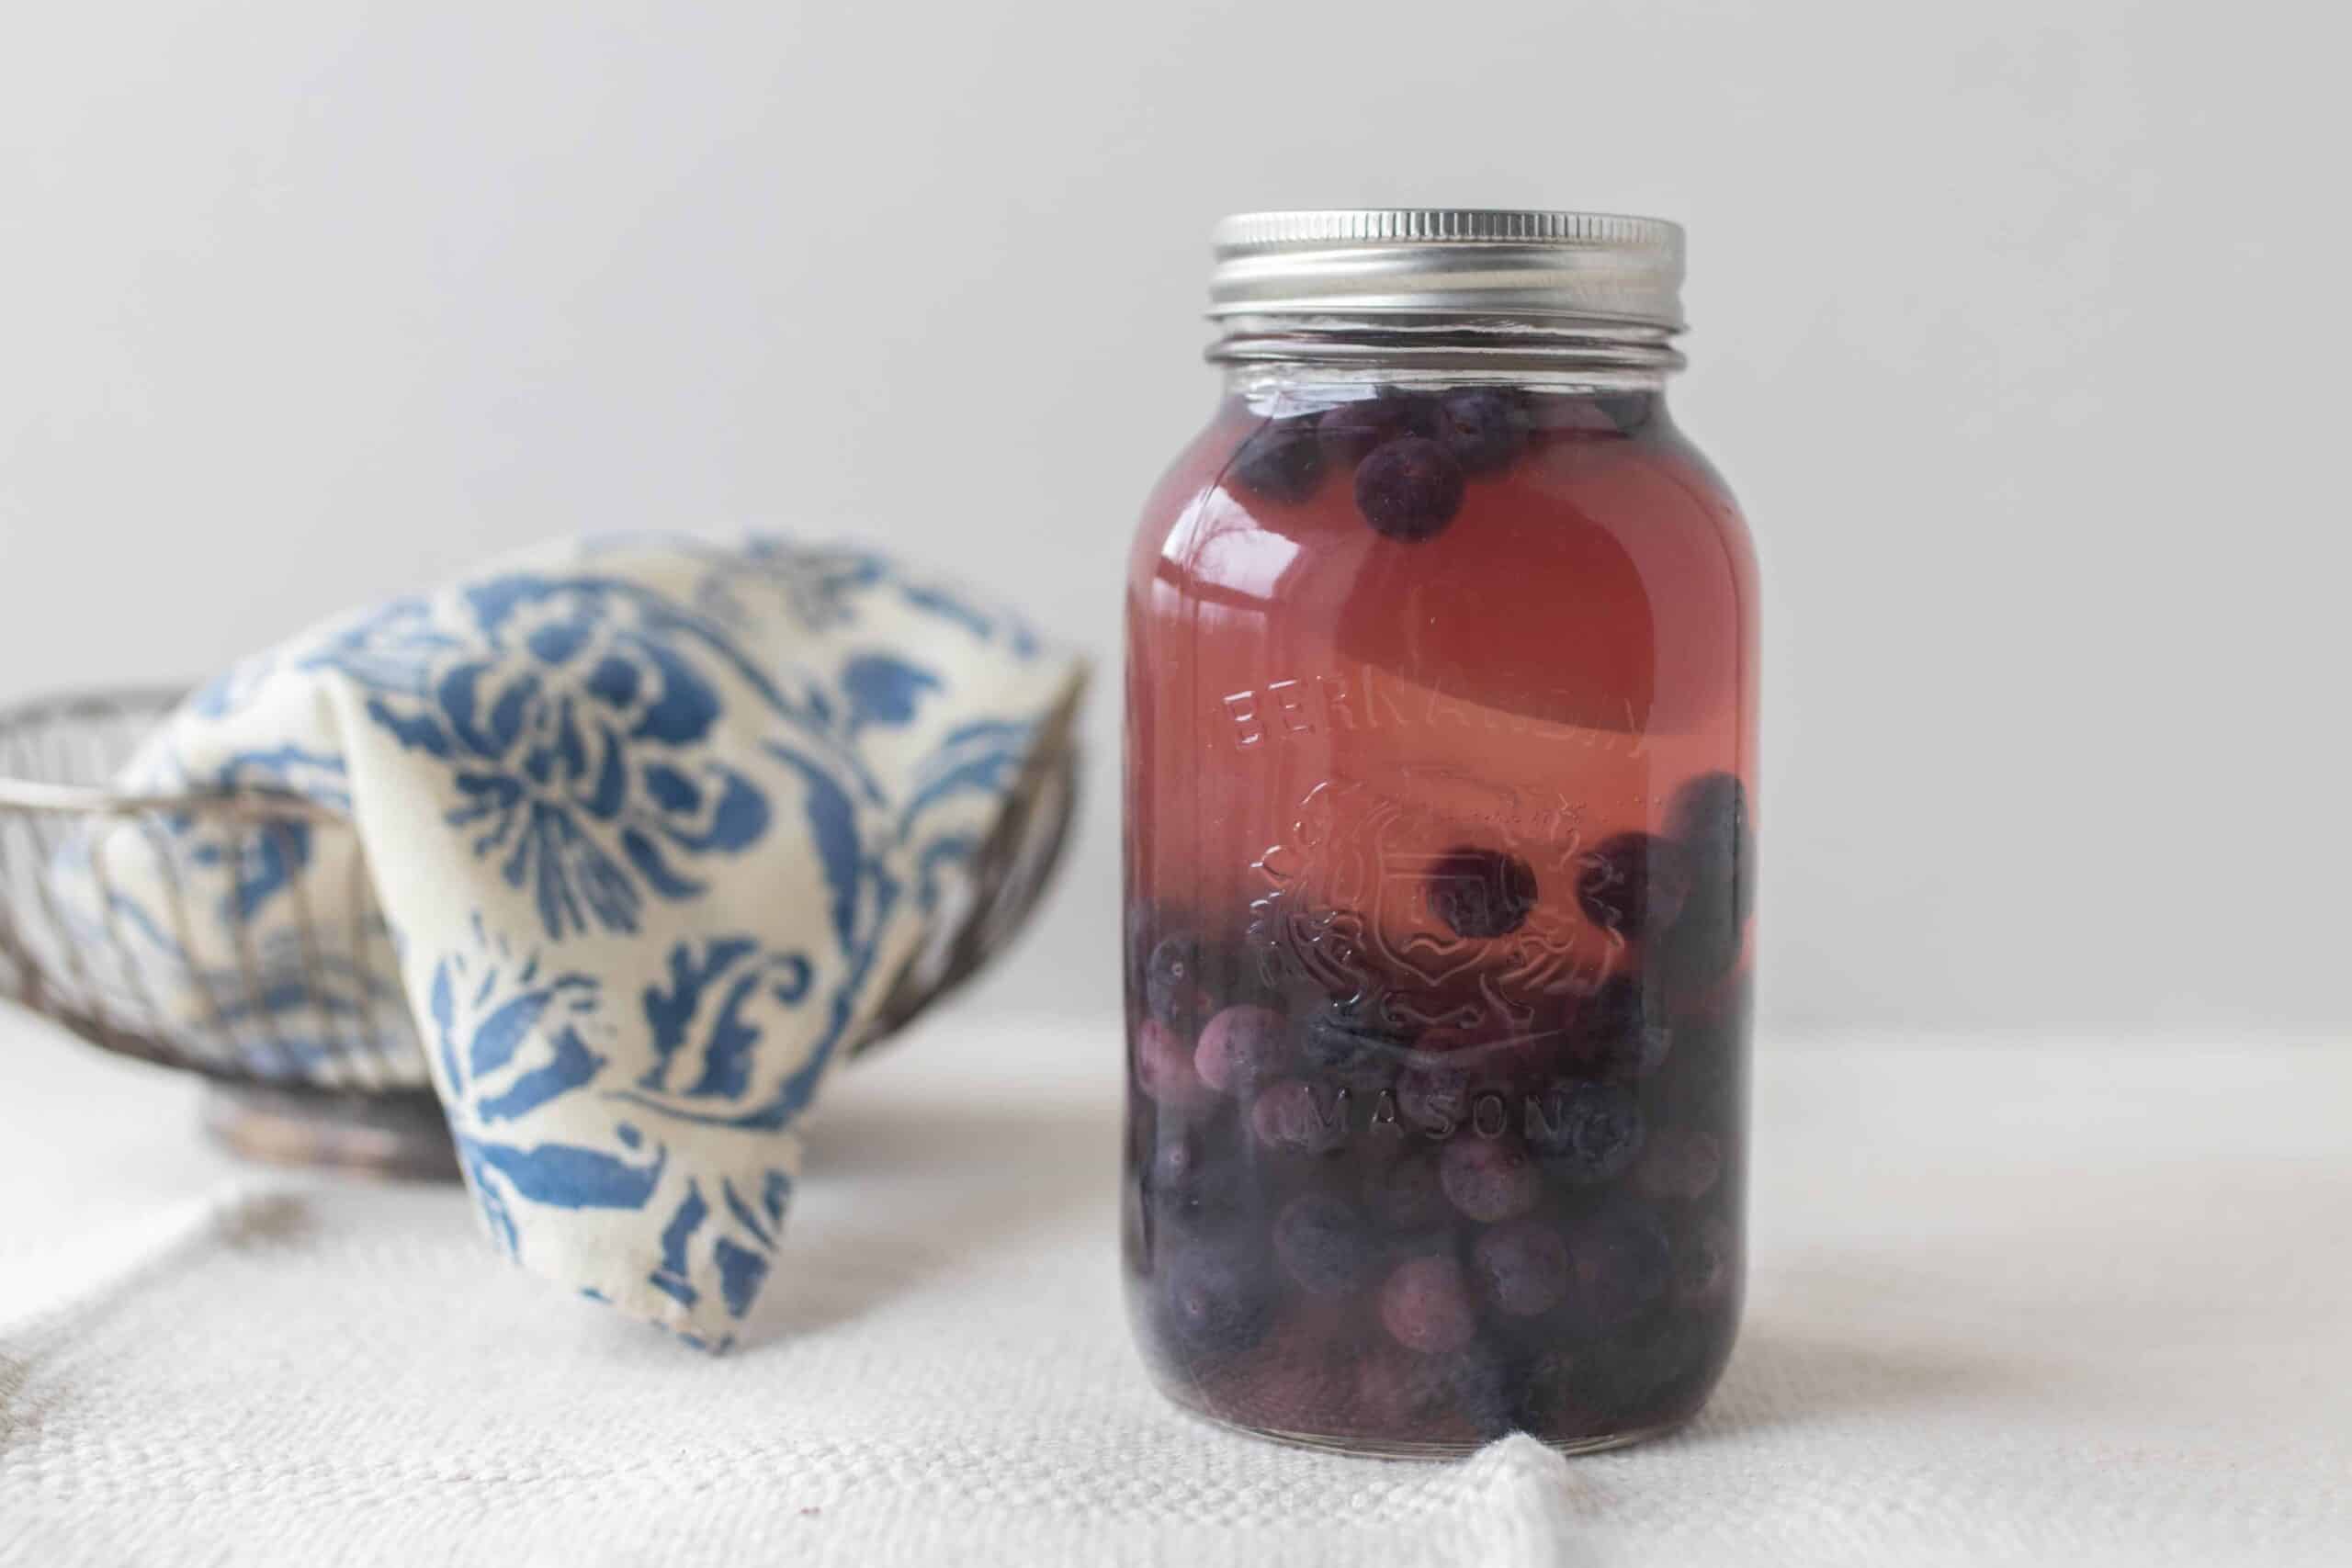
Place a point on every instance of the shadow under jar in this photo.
(1440, 848)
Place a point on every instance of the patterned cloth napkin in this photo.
(651, 824)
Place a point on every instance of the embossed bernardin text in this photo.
(1365, 698)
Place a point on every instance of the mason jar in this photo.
(1440, 847)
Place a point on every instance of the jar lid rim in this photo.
(1444, 226)
(1457, 260)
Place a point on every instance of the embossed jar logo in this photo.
(1450, 910)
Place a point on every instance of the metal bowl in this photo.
(345, 1093)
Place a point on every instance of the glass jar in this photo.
(1440, 780)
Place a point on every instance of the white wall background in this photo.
(2020, 328)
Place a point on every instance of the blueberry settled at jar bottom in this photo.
(1440, 849)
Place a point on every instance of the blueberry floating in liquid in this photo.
(1586, 1133)
(1621, 1262)
(1680, 1163)
(1481, 894)
(1425, 1305)
(1282, 460)
(1484, 427)
(1407, 1199)
(1704, 1263)
(1213, 1297)
(1456, 1396)
(1343, 1047)
(1490, 1180)
(1631, 882)
(1409, 488)
(1242, 1047)
(1629, 412)
(1164, 1066)
(1351, 431)
(1324, 1244)
(1709, 818)
(1301, 1117)
(1522, 1269)
(1190, 1184)
(1173, 990)
(1433, 1100)
(1618, 1033)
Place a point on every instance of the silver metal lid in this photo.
(1382, 262)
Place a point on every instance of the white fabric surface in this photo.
(2027, 1301)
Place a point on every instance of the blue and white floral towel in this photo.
(651, 823)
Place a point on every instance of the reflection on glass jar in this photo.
(1440, 848)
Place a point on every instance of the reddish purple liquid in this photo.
(1440, 849)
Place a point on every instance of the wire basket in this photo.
(303, 1072)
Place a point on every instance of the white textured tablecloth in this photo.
(2020, 1302)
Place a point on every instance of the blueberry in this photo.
(1173, 982)
(1551, 1397)
(1282, 460)
(1180, 1162)
(1478, 1392)
(1484, 427)
(1409, 488)
(1300, 1379)
(1352, 429)
(1660, 1369)
(1617, 1033)
(1705, 1082)
(1621, 1262)
(1458, 1397)
(1290, 1114)
(1523, 1269)
(1698, 950)
(1631, 881)
(1434, 1100)
(1164, 1066)
(1709, 817)
(1425, 1305)
(1407, 1199)
(1186, 1184)
(1213, 1297)
(1587, 1133)
(1474, 1391)
(1324, 1244)
(1629, 412)
(1704, 1263)
(1488, 1178)
(1575, 416)
(1240, 1048)
(1680, 1163)
(1481, 894)
(1342, 1046)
